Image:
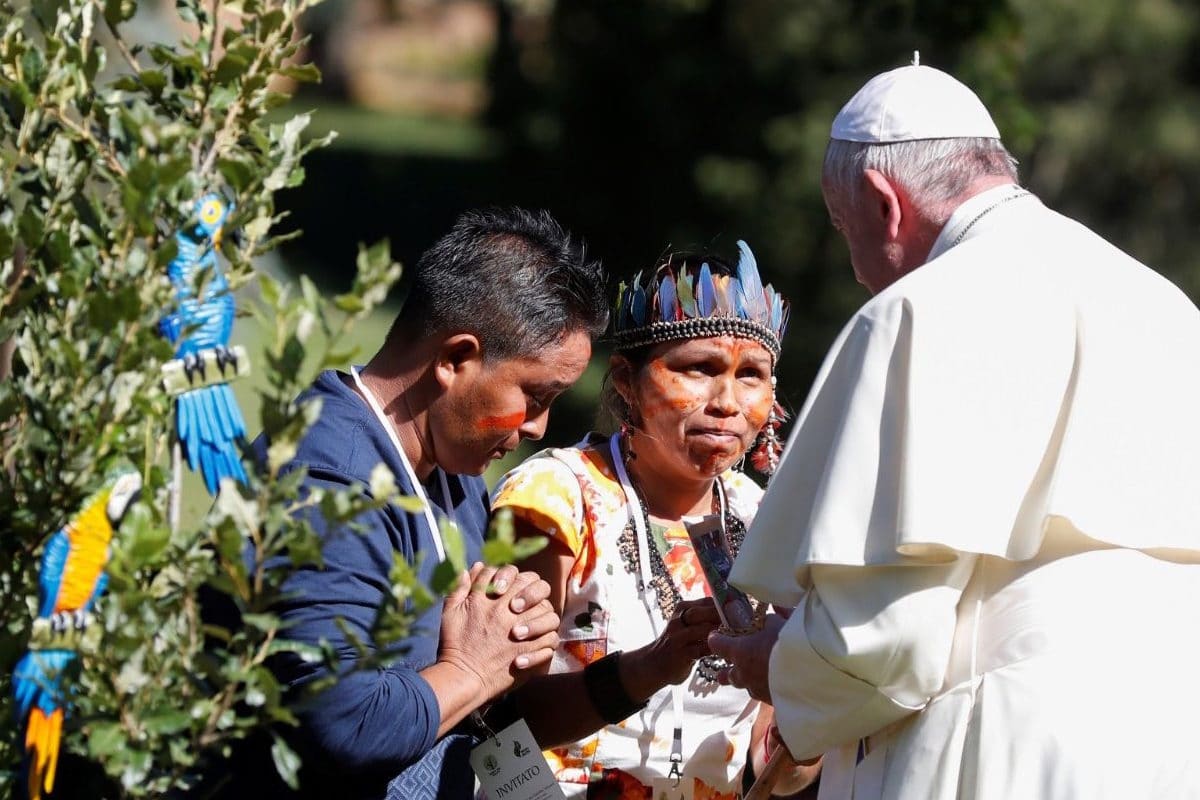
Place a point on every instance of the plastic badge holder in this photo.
(733, 605)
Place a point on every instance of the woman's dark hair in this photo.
(613, 409)
(514, 278)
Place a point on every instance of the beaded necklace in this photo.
(664, 587)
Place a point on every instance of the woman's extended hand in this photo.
(497, 626)
(669, 658)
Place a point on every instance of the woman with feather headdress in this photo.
(631, 707)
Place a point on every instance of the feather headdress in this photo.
(672, 303)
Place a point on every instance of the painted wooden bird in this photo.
(71, 579)
(208, 422)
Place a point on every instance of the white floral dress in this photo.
(572, 495)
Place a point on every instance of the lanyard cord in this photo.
(632, 501)
(418, 489)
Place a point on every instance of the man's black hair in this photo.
(514, 278)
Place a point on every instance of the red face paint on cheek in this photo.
(667, 390)
(504, 422)
(757, 413)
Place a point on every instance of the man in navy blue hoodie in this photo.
(498, 321)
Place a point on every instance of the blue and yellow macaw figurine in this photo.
(208, 421)
(71, 579)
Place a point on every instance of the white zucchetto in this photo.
(911, 103)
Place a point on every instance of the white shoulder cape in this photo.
(1033, 375)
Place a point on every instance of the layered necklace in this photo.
(665, 589)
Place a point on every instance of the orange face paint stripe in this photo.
(504, 422)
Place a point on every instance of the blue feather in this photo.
(210, 424)
(639, 306)
(705, 295)
(666, 299)
(750, 287)
(54, 561)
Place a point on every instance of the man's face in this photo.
(490, 406)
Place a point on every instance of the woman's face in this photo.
(698, 404)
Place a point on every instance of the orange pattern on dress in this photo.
(585, 651)
(683, 565)
(702, 791)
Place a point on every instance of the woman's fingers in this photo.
(700, 612)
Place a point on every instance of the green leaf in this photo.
(444, 578)
(167, 721)
(303, 73)
(154, 80)
(263, 622)
(270, 21)
(239, 173)
(410, 503)
(230, 67)
(105, 739)
(117, 11)
(527, 546)
(146, 539)
(456, 550)
(126, 83)
(350, 303)
(287, 763)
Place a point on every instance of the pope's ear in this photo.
(456, 355)
(882, 201)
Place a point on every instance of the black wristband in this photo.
(602, 679)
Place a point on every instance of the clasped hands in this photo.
(498, 627)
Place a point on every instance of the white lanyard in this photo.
(634, 504)
(417, 488)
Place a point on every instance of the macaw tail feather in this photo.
(42, 737)
(209, 425)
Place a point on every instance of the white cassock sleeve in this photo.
(865, 647)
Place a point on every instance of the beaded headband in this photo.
(671, 305)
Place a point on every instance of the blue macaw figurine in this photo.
(71, 579)
(208, 421)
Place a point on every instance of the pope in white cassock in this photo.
(987, 519)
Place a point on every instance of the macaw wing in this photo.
(37, 680)
(54, 563)
(37, 683)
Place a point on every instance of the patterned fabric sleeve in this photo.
(744, 494)
(545, 493)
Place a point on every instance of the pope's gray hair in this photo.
(932, 171)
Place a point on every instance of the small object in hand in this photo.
(733, 605)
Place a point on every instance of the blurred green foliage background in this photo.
(698, 122)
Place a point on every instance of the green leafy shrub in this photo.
(105, 145)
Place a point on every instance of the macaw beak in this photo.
(124, 492)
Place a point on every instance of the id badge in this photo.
(665, 789)
(510, 766)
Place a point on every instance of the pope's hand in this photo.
(750, 656)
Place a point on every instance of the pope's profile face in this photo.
(490, 406)
(871, 255)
